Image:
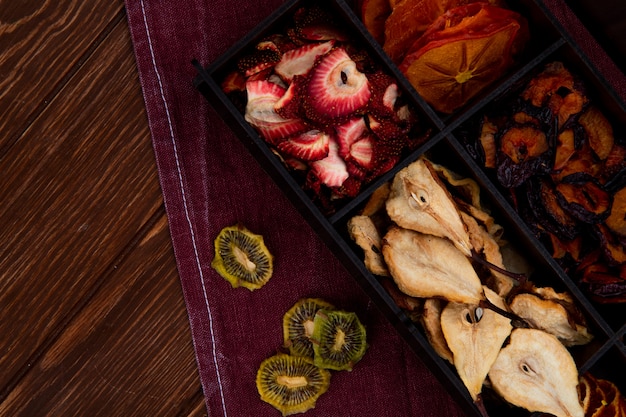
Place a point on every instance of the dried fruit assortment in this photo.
(319, 338)
(448, 50)
(557, 156)
(444, 260)
(324, 106)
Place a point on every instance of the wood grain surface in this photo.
(93, 321)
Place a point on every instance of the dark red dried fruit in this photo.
(543, 201)
(605, 285)
(584, 198)
(523, 151)
(599, 131)
(613, 249)
(617, 219)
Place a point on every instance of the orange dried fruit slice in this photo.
(565, 148)
(374, 14)
(407, 21)
(464, 51)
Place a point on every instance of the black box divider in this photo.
(367, 191)
(393, 69)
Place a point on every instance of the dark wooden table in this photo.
(92, 316)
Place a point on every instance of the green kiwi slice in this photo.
(298, 325)
(339, 339)
(242, 258)
(291, 384)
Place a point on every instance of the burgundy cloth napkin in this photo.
(209, 181)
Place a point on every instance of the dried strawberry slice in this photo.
(308, 146)
(331, 171)
(263, 74)
(386, 129)
(276, 42)
(299, 61)
(336, 89)
(348, 133)
(350, 187)
(288, 106)
(262, 97)
(362, 153)
(383, 163)
(384, 94)
(257, 61)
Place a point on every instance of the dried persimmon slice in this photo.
(450, 66)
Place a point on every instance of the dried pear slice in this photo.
(550, 316)
(431, 322)
(535, 371)
(298, 325)
(484, 243)
(466, 187)
(475, 337)
(419, 201)
(429, 266)
(242, 258)
(339, 339)
(291, 384)
(363, 231)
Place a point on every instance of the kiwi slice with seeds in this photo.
(298, 325)
(339, 339)
(242, 258)
(291, 384)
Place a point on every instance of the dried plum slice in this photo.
(603, 284)
(524, 150)
(617, 219)
(543, 201)
(599, 131)
(613, 249)
(582, 196)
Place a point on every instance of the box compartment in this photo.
(446, 144)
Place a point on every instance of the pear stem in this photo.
(516, 321)
(521, 278)
(481, 406)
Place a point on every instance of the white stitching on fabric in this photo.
(180, 179)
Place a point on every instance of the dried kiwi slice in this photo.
(291, 384)
(338, 339)
(298, 325)
(242, 258)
